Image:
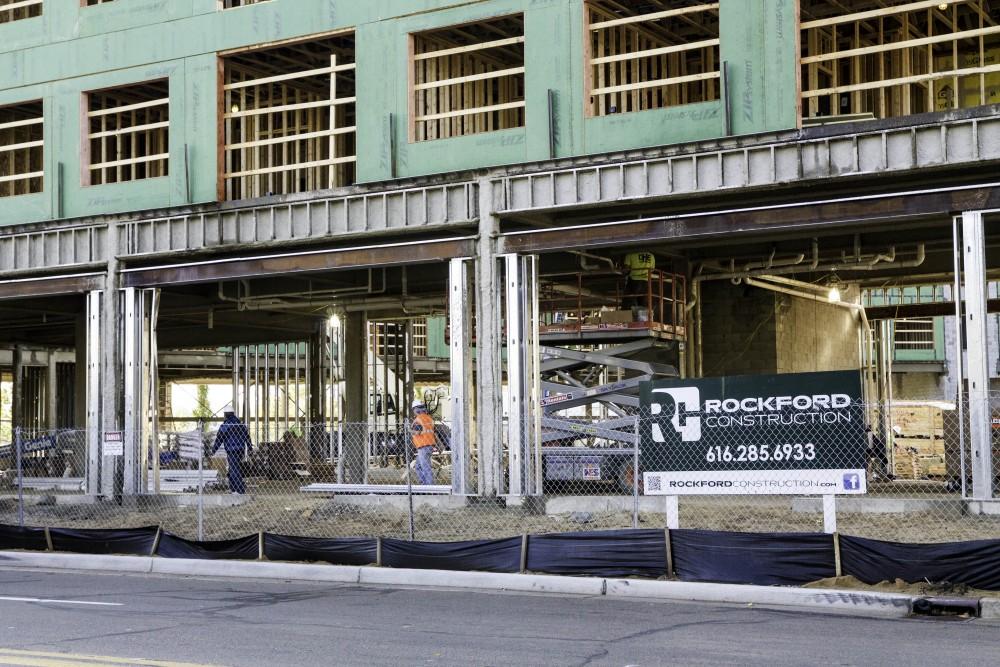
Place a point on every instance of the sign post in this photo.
(792, 434)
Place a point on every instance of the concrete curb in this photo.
(989, 608)
(860, 603)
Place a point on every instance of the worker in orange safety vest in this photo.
(423, 441)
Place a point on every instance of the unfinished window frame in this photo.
(814, 55)
(432, 117)
(19, 10)
(124, 168)
(339, 133)
(17, 142)
(228, 4)
(604, 92)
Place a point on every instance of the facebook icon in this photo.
(852, 481)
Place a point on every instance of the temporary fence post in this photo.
(524, 553)
(673, 512)
(260, 545)
(838, 568)
(829, 514)
(48, 539)
(20, 477)
(378, 551)
(409, 479)
(340, 453)
(156, 540)
(635, 476)
(201, 491)
(670, 552)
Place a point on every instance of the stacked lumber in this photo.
(918, 442)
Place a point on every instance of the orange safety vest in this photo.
(423, 431)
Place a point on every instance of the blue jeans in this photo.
(425, 474)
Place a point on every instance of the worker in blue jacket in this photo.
(234, 437)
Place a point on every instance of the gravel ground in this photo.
(297, 514)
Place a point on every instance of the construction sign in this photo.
(757, 434)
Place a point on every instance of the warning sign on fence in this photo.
(772, 434)
(113, 443)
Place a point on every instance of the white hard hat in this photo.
(417, 403)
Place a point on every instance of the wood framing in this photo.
(15, 10)
(22, 149)
(288, 118)
(467, 79)
(650, 54)
(888, 58)
(127, 133)
(232, 4)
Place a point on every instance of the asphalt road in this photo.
(54, 619)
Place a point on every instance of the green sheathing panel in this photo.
(72, 49)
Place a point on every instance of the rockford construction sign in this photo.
(766, 434)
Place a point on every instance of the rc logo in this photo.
(682, 404)
(852, 481)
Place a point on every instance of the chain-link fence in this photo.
(905, 472)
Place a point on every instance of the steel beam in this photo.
(795, 217)
(236, 268)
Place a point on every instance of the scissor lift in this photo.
(595, 354)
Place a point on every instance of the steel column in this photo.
(460, 322)
(974, 255)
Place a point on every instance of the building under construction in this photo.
(335, 207)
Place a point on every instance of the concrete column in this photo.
(355, 368)
(51, 391)
(489, 360)
(980, 433)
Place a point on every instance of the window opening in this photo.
(467, 79)
(22, 146)
(641, 55)
(128, 133)
(15, 10)
(888, 58)
(289, 118)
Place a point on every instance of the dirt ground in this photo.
(298, 514)
(900, 586)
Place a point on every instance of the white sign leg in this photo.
(673, 513)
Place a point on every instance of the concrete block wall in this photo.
(749, 331)
(815, 336)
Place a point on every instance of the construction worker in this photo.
(234, 437)
(423, 441)
(638, 264)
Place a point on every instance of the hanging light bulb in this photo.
(943, 6)
(235, 108)
(833, 296)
